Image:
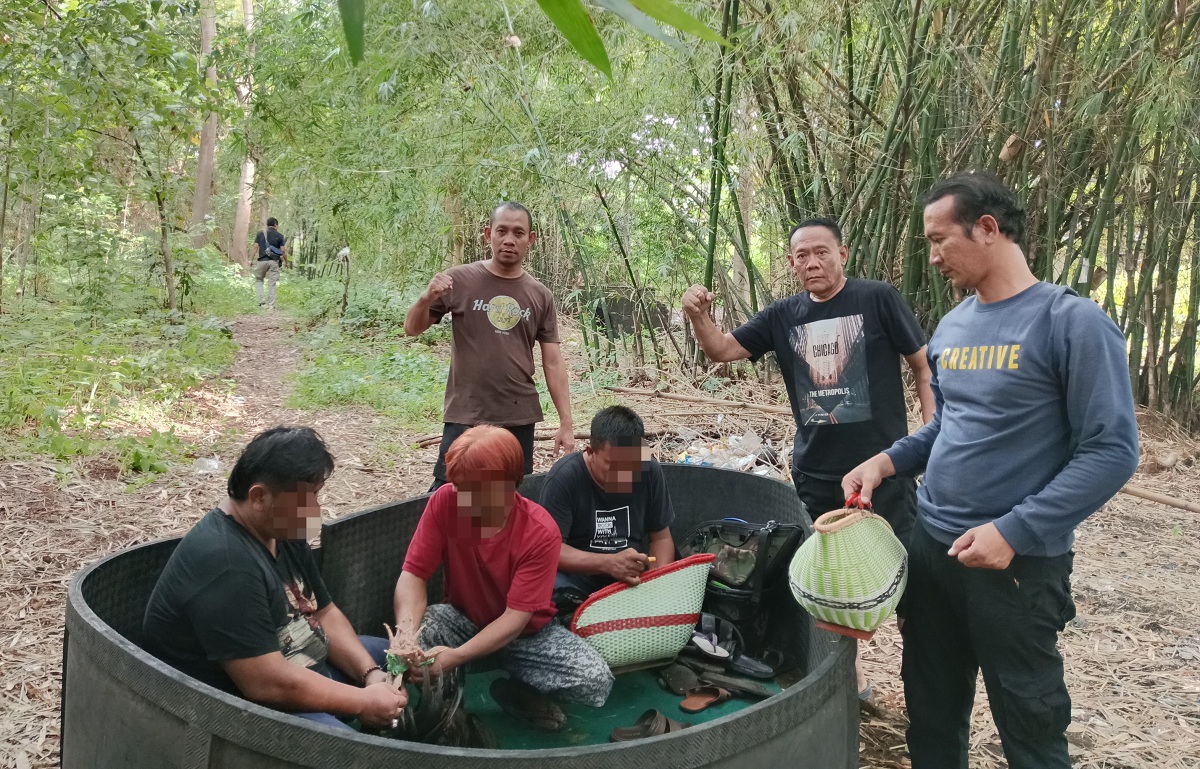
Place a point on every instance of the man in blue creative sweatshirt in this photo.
(1034, 431)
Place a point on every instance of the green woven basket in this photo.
(651, 621)
(851, 573)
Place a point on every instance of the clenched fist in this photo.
(441, 283)
(696, 301)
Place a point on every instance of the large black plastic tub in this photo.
(124, 709)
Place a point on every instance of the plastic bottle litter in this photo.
(204, 466)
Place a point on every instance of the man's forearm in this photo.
(410, 599)
(662, 549)
(346, 652)
(418, 318)
(560, 389)
(495, 636)
(574, 561)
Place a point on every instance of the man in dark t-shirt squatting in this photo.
(241, 605)
(498, 313)
(611, 504)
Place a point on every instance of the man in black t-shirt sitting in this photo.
(242, 607)
(272, 255)
(611, 504)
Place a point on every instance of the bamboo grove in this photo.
(688, 165)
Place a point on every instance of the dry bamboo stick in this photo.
(1162, 499)
(427, 441)
(697, 399)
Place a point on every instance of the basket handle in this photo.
(836, 520)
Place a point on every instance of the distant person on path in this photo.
(272, 255)
(612, 506)
(499, 554)
(839, 343)
(499, 311)
(241, 605)
(1034, 431)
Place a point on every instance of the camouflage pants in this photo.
(553, 660)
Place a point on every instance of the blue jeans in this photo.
(377, 648)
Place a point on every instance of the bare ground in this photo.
(1132, 655)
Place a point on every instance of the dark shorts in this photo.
(452, 430)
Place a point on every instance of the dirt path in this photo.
(1131, 655)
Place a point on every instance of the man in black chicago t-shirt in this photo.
(241, 606)
(611, 504)
(839, 343)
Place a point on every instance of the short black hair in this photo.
(281, 457)
(980, 193)
(617, 426)
(272, 222)
(818, 221)
(511, 205)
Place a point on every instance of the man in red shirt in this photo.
(500, 552)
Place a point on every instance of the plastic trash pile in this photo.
(746, 453)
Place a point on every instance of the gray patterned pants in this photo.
(554, 660)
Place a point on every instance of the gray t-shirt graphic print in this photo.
(831, 371)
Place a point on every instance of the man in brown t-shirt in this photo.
(498, 312)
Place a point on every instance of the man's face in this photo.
(619, 468)
(485, 501)
(294, 514)
(817, 260)
(957, 255)
(510, 237)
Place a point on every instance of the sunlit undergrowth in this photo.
(78, 376)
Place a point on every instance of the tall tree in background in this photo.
(208, 135)
(245, 91)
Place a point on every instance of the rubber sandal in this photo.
(678, 679)
(748, 666)
(707, 644)
(650, 724)
(701, 665)
(704, 697)
(520, 700)
(738, 687)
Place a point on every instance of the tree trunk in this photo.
(4, 212)
(245, 91)
(164, 229)
(208, 135)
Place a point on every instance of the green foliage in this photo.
(151, 455)
(573, 21)
(397, 377)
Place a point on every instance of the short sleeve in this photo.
(755, 335)
(429, 542)
(226, 634)
(660, 514)
(547, 332)
(899, 322)
(533, 581)
(312, 575)
(559, 497)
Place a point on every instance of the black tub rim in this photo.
(217, 713)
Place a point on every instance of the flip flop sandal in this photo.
(704, 697)
(699, 664)
(650, 724)
(707, 645)
(738, 687)
(748, 666)
(520, 700)
(678, 679)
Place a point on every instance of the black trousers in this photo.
(960, 620)
(451, 431)
(895, 500)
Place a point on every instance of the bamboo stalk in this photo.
(705, 401)
(1162, 499)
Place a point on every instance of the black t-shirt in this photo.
(222, 596)
(841, 364)
(272, 237)
(593, 520)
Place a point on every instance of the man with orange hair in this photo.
(500, 552)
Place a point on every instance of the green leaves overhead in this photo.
(354, 15)
(669, 13)
(573, 22)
